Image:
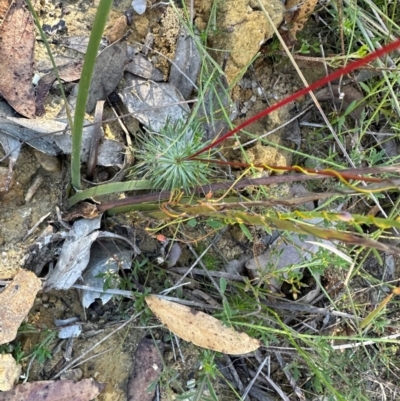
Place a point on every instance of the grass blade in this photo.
(84, 85)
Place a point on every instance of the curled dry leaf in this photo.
(17, 35)
(15, 302)
(201, 329)
(76, 252)
(68, 73)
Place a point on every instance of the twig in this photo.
(233, 372)
(269, 380)
(253, 380)
(306, 308)
(275, 129)
(95, 140)
(36, 225)
(73, 362)
(289, 376)
(206, 271)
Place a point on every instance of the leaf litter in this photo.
(201, 329)
(17, 35)
(91, 235)
(76, 251)
(153, 103)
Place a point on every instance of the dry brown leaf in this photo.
(15, 302)
(296, 19)
(108, 71)
(65, 390)
(349, 93)
(68, 73)
(17, 37)
(201, 329)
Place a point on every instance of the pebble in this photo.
(49, 163)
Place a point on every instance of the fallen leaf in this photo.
(42, 251)
(83, 209)
(65, 390)
(80, 43)
(343, 97)
(275, 261)
(15, 302)
(17, 36)
(76, 251)
(29, 136)
(38, 133)
(108, 71)
(186, 65)
(9, 372)
(201, 329)
(147, 371)
(68, 73)
(142, 67)
(11, 146)
(106, 257)
(153, 103)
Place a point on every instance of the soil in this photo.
(262, 84)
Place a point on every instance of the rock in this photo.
(9, 372)
(241, 28)
(116, 29)
(6, 180)
(268, 155)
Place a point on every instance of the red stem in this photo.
(337, 74)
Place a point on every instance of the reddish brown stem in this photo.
(331, 77)
(297, 169)
(241, 184)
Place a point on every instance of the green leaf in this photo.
(192, 223)
(215, 224)
(222, 284)
(246, 232)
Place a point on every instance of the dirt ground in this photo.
(262, 84)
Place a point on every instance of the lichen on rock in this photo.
(241, 28)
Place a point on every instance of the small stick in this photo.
(74, 361)
(290, 377)
(96, 135)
